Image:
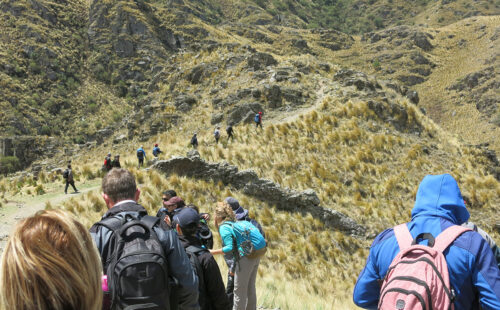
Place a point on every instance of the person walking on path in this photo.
(474, 277)
(211, 286)
(141, 154)
(258, 120)
(107, 162)
(229, 131)
(156, 150)
(116, 162)
(217, 134)
(120, 193)
(233, 240)
(70, 180)
(194, 141)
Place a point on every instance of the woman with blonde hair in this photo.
(234, 235)
(50, 263)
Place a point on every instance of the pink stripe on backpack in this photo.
(417, 278)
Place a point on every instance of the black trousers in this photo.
(67, 185)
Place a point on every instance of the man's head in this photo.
(109, 154)
(174, 203)
(118, 185)
(186, 222)
(166, 195)
(156, 144)
(69, 166)
(233, 202)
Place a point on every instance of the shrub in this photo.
(9, 164)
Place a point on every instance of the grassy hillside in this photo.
(114, 75)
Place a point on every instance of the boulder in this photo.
(243, 113)
(348, 77)
(184, 103)
(120, 139)
(412, 95)
(260, 60)
(216, 118)
(273, 95)
(410, 79)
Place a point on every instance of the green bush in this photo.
(9, 164)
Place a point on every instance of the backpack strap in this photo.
(150, 221)
(446, 237)
(403, 236)
(112, 223)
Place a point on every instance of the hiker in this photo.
(171, 206)
(141, 154)
(211, 286)
(107, 163)
(68, 176)
(115, 163)
(217, 134)
(258, 120)
(194, 141)
(468, 261)
(247, 245)
(50, 262)
(126, 230)
(156, 150)
(229, 131)
(494, 248)
(241, 214)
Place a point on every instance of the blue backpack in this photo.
(257, 118)
(249, 240)
(140, 153)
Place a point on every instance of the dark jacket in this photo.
(115, 164)
(70, 178)
(472, 268)
(215, 297)
(178, 262)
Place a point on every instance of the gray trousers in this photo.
(245, 294)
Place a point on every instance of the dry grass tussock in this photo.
(307, 264)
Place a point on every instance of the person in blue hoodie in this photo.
(141, 154)
(472, 268)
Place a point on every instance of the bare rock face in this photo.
(261, 60)
(29, 148)
(262, 189)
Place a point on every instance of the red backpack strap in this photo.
(403, 236)
(446, 237)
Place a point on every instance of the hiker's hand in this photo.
(167, 220)
(206, 216)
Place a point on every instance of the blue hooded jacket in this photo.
(472, 268)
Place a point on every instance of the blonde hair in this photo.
(223, 212)
(50, 263)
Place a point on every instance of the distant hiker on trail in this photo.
(194, 141)
(116, 162)
(141, 154)
(258, 120)
(241, 214)
(68, 176)
(431, 262)
(107, 163)
(50, 262)
(211, 286)
(247, 245)
(229, 131)
(156, 150)
(137, 256)
(217, 134)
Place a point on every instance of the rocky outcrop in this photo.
(265, 190)
(261, 60)
(398, 35)
(29, 148)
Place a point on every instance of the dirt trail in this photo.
(15, 211)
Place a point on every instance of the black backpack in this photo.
(193, 252)
(66, 174)
(137, 270)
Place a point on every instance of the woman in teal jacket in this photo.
(245, 273)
